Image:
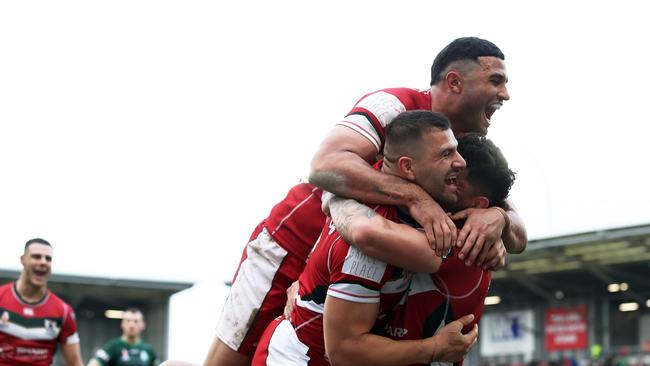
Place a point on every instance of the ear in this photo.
(454, 81)
(405, 165)
(481, 202)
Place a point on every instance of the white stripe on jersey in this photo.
(360, 124)
(421, 282)
(35, 334)
(285, 349)
(353, 292)
(385, 108)
(397, 285)
(310, 305)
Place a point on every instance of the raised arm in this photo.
(348, 341)
(341, 165)
(388, 241)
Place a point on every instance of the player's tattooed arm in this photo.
(342, 165)
(393, 243)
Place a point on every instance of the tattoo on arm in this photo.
(346, 212)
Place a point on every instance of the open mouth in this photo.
(452, 180)
(489, 111)
(40, 272)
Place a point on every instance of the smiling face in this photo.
(437, 167)
(37, 264)
(481, 89)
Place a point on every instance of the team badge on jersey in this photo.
(144, 356)
(28, 311)
(51, 327)
(125, 354)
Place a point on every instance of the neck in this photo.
(130, 339)
(443, 102)
(29, 292)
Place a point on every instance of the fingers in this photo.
(498, 262)
(440, 238)
(431, 238)
(461, 215)
(476, 250)
(488, 252)
(472, 336)
(445, 232)
(469, 242)
(454, 232)
(465, 320)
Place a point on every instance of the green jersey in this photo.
(117, 352)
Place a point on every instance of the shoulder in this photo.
(112, 343)
(5, 289)
(147, 346)
(56, 302)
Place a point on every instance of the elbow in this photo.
(324, 177)
(519, 244)
(337, 357)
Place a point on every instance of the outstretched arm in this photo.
(341, 165)
(348, 341)
(388, 241)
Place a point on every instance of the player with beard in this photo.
(421, 148)
(468, 84)
(434, 299)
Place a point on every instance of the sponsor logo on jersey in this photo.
(395, 332)
(51, 327)
(28, 311)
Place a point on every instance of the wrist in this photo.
(432, 351)
(506, 218)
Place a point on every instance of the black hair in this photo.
(37, 241)
(487, 168)
(466, 48)
(404, 133)
(132, 309)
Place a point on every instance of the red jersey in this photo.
(337, 269)
(30, 332)
(296, 222)
(435, 300)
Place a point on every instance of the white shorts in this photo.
(258, 292)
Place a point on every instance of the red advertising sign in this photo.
(565, 328)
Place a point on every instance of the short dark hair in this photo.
(465, 48)
(487, 168)
(37, 241)
(132, 309)
(404, 133)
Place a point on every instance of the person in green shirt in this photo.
(129, 349)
